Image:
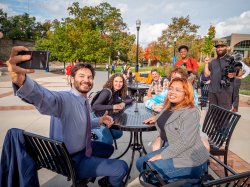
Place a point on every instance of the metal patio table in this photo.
(131, 120)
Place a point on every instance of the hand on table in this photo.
(150, 120)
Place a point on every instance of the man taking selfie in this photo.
(70, 118)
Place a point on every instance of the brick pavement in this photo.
(235, 161)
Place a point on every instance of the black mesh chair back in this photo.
(50, 154)
(238, 180)
(203, 99)
(207, 180)
(219, 125)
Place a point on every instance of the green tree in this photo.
(184, 31)
(159, 52)
(132, 53)
(208, 41)
(91, 34)
(21, 27)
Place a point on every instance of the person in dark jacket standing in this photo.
(220, 93)
(113, 98)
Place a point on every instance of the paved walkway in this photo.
(15, 113)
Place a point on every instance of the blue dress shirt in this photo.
(67, 110)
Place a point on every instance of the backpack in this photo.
(94, 95)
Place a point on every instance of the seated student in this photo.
(156, 103)
(70, 119)
(184, 156)
(158, 84)
(131, 77)
(113, 97)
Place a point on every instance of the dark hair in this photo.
(81, 66)
(183, 47)
(109, 84)
(154, 70)
(180, 71)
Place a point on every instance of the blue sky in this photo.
(228, 16)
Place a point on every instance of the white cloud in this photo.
(149, 32)
(240, 24)
(7, 9)
(54, 7)
(122, 7)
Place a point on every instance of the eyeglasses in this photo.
(177, 90)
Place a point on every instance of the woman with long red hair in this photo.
(184, 155)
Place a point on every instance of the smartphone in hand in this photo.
(39, 60)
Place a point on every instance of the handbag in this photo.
(150, 173)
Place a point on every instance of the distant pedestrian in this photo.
(113, 68)
(107, 67)
(124, 65)
(67, 72)
(236, 87)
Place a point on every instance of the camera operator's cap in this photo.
(220, 43)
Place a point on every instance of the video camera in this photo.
(234, 66)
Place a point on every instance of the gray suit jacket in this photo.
(185, 145)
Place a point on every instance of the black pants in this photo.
(236, 92)
(222, 99)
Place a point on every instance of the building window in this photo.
(243, 44)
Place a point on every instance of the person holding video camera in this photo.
(222, 71)
(70, 121)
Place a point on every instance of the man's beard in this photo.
(77, 86)
(222, 53)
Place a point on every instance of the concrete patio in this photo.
(15, 113)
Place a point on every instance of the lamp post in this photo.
(138, 24)
(1, 34)
(174, 57)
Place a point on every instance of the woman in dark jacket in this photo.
(113, 98)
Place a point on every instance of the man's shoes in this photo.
(104, 182)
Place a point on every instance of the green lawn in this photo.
(118, 68)
(245, 92)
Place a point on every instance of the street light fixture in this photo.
(1, 34)
(138, 24)
(174, 57)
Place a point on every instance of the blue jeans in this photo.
(104, 134)
(167, 170)
(99, 164)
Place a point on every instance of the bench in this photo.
(219, 125)
(53, 155)
(207, 180)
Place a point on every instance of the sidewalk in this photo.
(15, 113)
